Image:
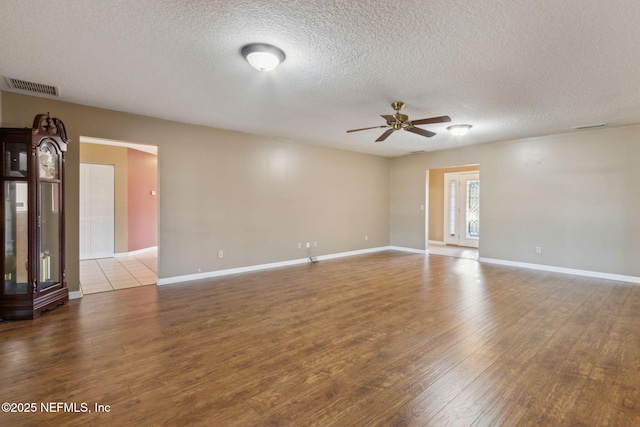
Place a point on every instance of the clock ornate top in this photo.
(43, 124)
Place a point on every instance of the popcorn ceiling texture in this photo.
(512, 69)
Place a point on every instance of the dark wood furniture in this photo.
(32, 195)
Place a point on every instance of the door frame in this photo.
(121, 216)
(459, 237)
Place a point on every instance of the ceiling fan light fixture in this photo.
(262, 56)
(459, 130)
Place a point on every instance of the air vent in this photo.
(31, 86)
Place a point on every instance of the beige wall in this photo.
(576, 195)
(253, 197)
(436, 200)
(117, 156)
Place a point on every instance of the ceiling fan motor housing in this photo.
(401, 117)
(401, 121)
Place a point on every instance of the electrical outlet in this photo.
(315, 244)
(299, 245)
(538, 250)
(366, 237)
(308, 245)
(220, 254)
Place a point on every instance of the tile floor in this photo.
(108, 274)
(454, 251)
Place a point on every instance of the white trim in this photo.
(576, 272)
(152, 149)
(437, 243)
(138, 252)
(218, 273)
(75, 295)
(411, 250)
(352, 253)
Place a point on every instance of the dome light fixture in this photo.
(262, 56)
(459, 129)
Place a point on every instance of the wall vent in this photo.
(31, 86)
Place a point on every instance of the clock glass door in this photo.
(16, 238)
(49, 235)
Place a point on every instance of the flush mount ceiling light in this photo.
(263, 57)
(459, 129)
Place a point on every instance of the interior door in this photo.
(462, 208)
(97, 211)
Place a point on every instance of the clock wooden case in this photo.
(33, 218)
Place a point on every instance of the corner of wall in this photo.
(1, 108)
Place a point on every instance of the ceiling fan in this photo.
(401, 121)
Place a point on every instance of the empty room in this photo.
(320, 213)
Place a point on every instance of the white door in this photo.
(97, 211)
(462, 208)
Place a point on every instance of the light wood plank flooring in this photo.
(388, 339)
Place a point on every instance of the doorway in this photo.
(439, 224)
(462, 209)
(130, 194)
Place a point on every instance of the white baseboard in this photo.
(576, 272)
(411, 250)
(218, 273)
(229, 271)
(138, 252)
(352, 253)
(437, 243)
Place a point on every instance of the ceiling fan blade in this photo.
(419, 131)
(384, 135)
(432, 120)
(372, 127)
(388, 117)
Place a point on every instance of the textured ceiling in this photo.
(510, 68)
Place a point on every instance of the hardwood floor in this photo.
(387, 339)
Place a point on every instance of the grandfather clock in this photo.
(33, 218)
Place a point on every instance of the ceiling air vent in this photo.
(32, 87)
